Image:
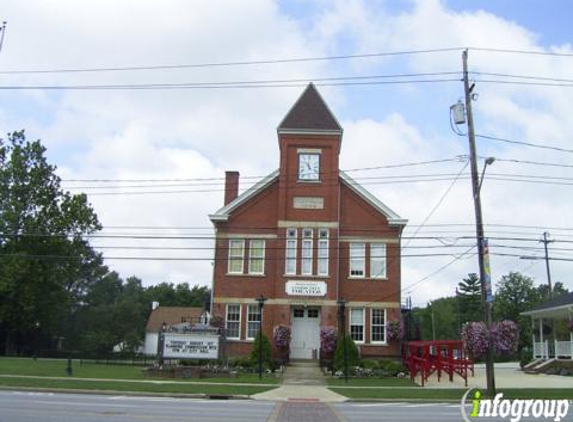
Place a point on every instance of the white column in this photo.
(541, 338)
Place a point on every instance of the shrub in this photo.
(369, 364)
(505, 337)
(243, 362)
(327, 339)
(351, 354)
(281, 336)
(390, 368)
(476, 338)
(266, 349)
(525, 356)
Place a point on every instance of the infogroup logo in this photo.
(514, 409)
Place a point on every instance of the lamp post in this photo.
(341, 307)
(160, 343)
(261, 301)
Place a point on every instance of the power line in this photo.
(529, 144)
(213, 86)
(531, 52)
(231, 63)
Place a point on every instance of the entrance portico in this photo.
(305, 336)
(560, 308)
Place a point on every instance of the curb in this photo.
(129, 393)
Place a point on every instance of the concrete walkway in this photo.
(507, 375)
(302, 381)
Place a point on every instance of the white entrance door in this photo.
(305, 336)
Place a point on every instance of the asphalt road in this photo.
(20, 406)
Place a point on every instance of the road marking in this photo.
(87, 404)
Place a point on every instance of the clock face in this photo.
(308, 167)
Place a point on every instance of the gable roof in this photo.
(171, 315)
(222, 214)
(393, 218)
(561, 302)
(310, 114)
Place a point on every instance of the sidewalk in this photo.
(507, 375)
(303, 382)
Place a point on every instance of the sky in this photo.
(152, 160)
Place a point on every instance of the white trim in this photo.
(363, 324)
(384, 260)
(256, 306)
(316, 151)
(227, 319)
(393, 218)
(306, 224)
(318, 250)
(294, 258)
(246, 236)
(223, 213)
(379, 343)
(350, 257)
(242, 241)
(367, 239)
(309, 259)
(262, 258)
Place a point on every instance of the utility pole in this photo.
(484, 277)
(546, 241)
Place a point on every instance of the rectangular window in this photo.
(256, 257)
(306, 252)
(323, 252)
(378, 325)
(290, 258)
(357, 324)
(378, 260)
(233, 323)
(236, 256)
(357, 259)
(253, 321)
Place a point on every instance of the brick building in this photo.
(304, 237)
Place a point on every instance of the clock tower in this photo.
(309, 142)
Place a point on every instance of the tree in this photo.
(265, 349)
(352, 357)
(439, 319)
(516, 294)
(469, 297)
(41, 244)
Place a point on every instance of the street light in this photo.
(488, 162)
(261, 300)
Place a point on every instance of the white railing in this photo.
(564, 349)
(541, 350)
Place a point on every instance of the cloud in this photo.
(184, 134)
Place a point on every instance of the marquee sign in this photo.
(305, 288)
(191, 346)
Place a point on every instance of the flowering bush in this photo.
(394, 330)
(217, 321)
(476, 338)
(570, 326)
(281, 336)
(505, 336)
(327, 339)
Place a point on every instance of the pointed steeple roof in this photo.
(310, 113)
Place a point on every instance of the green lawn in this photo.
(447, 393)
(371, 382)
(127, 386)
(57, 368)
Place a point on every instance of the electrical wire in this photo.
(529, 144)
(231, 63)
